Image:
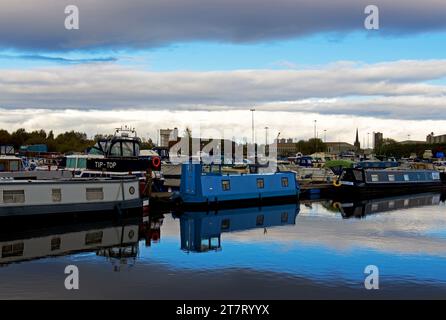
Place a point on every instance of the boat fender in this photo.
(156, 162)
(337, 183)
(337, 205)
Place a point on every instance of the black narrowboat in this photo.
(372, 182)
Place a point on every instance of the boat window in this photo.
(226, 185)
(13, 250)
(391, 177)
(81, 163)
(95, 194)
(375, 178)
(127, 149)
(57, 195)
(358, 175)
(55, 243)
(93, 237)
(259, 220)
(71, 163)
(406, 177)
(260, 183)
(284, 217)
(136, 150)
(13, 196)
(14, 166)
(115, 150)
(2, 166)
(225, 224)
(284, 182)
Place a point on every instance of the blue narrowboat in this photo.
(373, 182)
(377, 164)
(213, 188)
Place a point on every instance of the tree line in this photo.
(390, 147)
(69, 141)
(311, 146)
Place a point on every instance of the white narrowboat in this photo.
(32, 197)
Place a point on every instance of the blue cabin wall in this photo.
(190, 185)
(198, 187)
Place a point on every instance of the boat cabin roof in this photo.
(9, 157)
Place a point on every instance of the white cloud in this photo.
(108, 86)
(290, 124)
(397, 98)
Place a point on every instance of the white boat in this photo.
(12, 166)
(10, 163)
(31, 197)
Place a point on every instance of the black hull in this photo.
(49, 216)
(212, 206)
(386, 189)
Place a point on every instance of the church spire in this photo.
(357, 143)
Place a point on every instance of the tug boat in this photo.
(117, 155)
(375, 182)
(212, 188)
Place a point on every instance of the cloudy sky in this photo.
(162, 63)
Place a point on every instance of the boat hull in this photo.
(40, 197)
(112, 206)
(238, 203)
(385, 189)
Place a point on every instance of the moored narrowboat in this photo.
(40, 197)
(200, 189)
(371, 182)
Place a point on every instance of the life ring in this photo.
(337, 205)
(156, 162)
(337, 183)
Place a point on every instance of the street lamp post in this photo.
(266, 136)
(315, 121)
(315, 141)
(252, 123)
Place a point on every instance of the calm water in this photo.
(317, 249)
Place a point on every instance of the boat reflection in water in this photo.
(360, 209)
(201, 231)
(116, 241)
